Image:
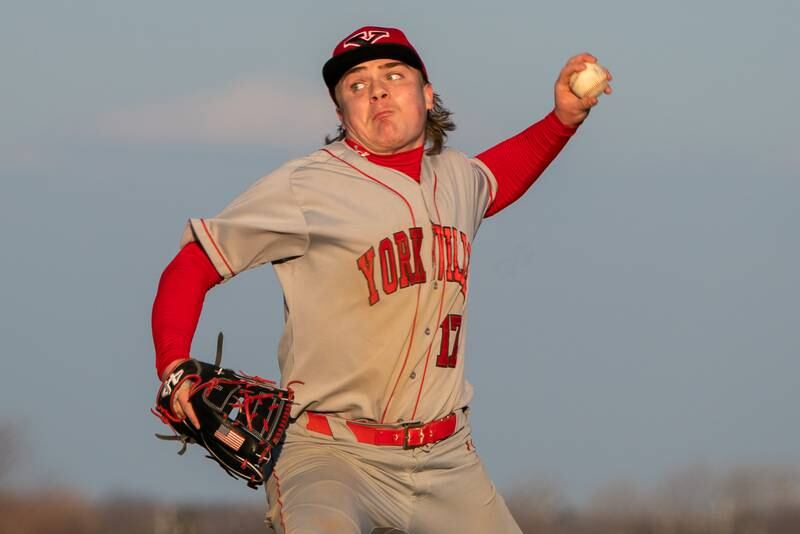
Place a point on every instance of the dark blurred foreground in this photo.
(695, 501)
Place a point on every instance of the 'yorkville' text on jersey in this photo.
(397, 261)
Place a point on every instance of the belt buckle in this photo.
(410, 442)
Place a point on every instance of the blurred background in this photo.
(633, 340)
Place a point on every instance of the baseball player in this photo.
(371, 239)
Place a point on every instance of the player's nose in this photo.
(378, 91)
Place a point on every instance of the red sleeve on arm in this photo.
(518, 161)
(178, 303)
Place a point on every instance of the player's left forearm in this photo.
(518, 161)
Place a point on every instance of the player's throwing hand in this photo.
(570, 109)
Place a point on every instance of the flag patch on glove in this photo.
(229, 437)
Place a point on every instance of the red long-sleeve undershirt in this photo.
(516, 163)
(178, 303)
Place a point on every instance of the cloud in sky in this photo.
(18, 156)
(281, 114)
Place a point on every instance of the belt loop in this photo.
(317, 422)
(462, 418)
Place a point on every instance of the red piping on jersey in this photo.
(203, 222)
(280, 497)
(419, 287)
(413, 219)
(408, 162)
(441, 303)
(405, 360)
(492, 194)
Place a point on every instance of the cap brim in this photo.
(335, 67)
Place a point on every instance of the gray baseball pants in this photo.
(334, 484)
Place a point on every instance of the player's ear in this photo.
(428, 92)
(335, 97)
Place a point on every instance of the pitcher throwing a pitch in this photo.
(371, 238)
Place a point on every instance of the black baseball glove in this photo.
(242, 418)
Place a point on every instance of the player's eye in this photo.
(394, 76)
(357, 86)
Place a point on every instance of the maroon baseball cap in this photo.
(367, 43)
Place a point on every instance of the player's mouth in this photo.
(382, 114)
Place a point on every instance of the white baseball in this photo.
(592, 81)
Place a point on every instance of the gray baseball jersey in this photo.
(374, 268)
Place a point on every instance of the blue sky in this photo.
(634, 313)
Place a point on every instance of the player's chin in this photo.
(385, 131)
(388, 139)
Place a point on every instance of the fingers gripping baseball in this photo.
(569, 107)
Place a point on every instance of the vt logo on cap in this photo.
(365, 44)
(367, 37)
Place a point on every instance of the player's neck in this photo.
(408, 162)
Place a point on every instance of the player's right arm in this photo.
(263, 224)
(176, 312)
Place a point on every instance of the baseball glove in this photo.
(242, 418)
